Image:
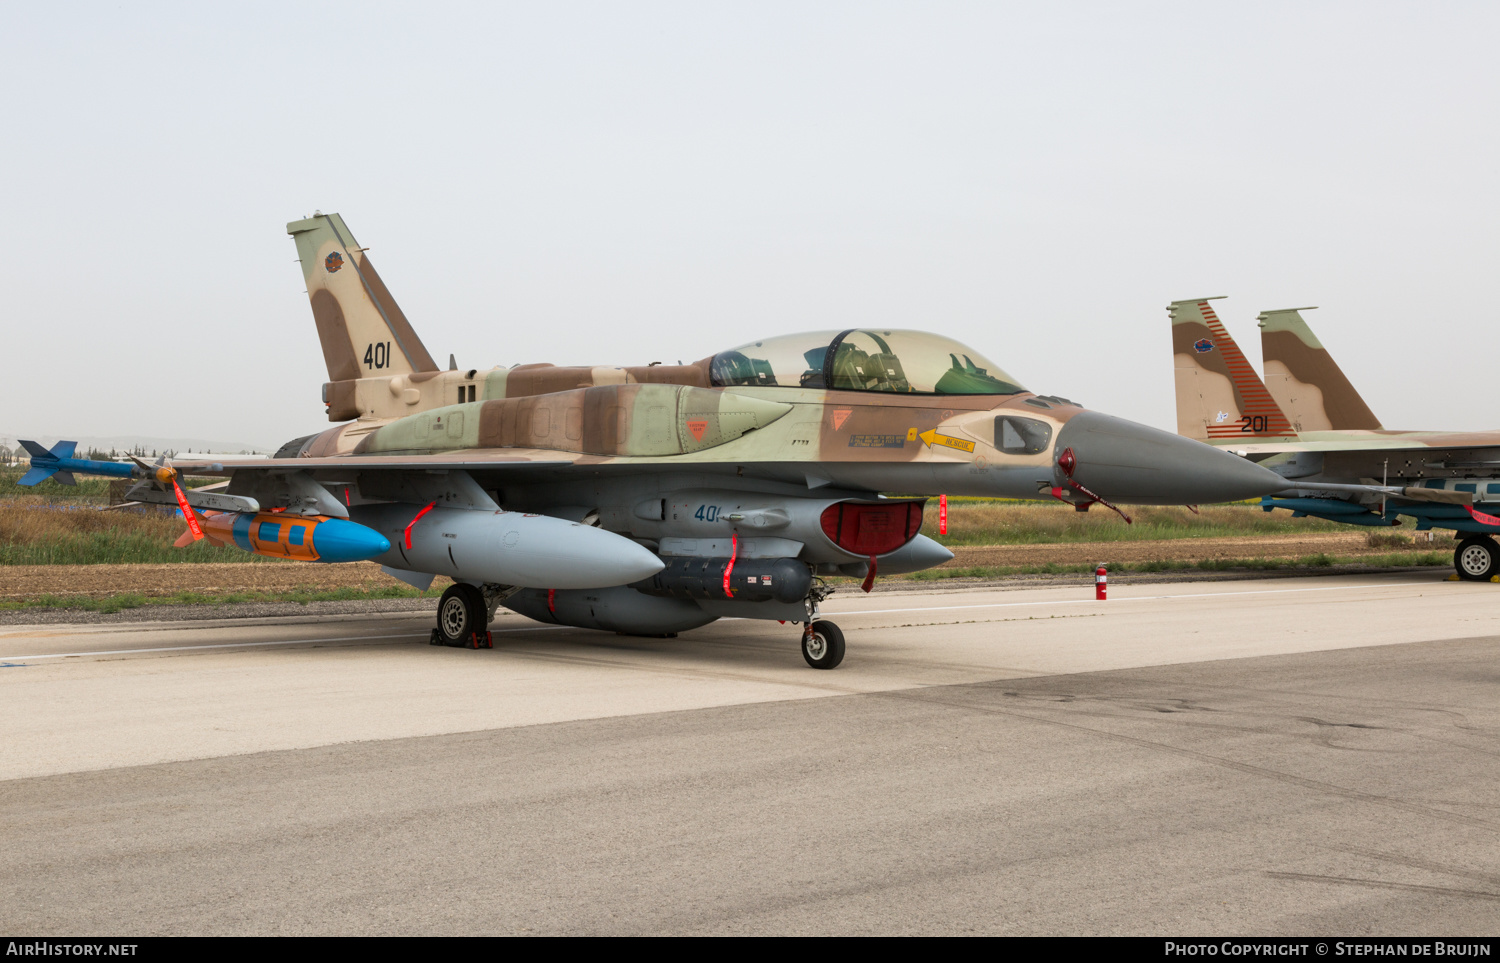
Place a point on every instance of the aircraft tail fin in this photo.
(1219, 396)
(362, 330)
(1304, 379)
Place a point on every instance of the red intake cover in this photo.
(872, 529)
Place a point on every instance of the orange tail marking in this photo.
(1262, 415)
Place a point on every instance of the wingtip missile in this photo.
(59, 462)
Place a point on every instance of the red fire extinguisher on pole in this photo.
(942, 514)
(1101, 583)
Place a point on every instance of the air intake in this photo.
(872, 529)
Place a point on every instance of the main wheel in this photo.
(1475, 559)
(461, 614)
(823, 647)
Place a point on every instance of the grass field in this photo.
(973, 521)
(56, 524)
(34, 532)
(1314, 562)
(133, 600)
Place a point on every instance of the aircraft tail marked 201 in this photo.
(1219, 397)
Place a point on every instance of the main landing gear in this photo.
(1477, 558)
(463, 619)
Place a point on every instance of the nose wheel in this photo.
(822, 644)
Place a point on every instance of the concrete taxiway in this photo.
(1283, 756)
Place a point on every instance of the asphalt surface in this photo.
(1300, 757)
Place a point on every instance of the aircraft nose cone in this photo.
(1126, 462)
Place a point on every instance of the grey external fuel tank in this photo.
(506, 548)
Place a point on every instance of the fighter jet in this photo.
(656, 498)
(1307, 423)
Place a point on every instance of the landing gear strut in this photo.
(822, 642)
(463, 619)
(1476, 558)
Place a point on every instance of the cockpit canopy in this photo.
(908, 362)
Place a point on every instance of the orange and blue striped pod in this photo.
(305, 538)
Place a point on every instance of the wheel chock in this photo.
(476, 640)
(1451, 578)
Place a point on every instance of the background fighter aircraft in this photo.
(1307, 423)
(648, 500)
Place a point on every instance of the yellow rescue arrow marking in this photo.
(931, 437)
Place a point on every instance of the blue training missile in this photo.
(61, 463)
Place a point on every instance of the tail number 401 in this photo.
(377, 355)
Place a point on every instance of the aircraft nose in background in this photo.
(1127, 462)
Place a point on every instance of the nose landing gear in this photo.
(822, 641)
(822, 644)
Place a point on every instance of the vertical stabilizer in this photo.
(362, 330)
(1219, 396)
(1304, 379)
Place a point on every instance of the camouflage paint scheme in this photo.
(1304, 379)
(1309, 424)
(654, 418)
(720, 460)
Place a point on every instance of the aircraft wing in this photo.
(467, 461)
(1424, 441)
(1435, 496)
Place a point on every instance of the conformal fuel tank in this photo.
(507, 548)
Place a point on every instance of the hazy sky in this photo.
(630, 182)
